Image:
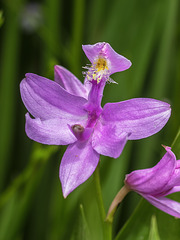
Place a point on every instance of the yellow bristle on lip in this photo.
(101, 64)
(98, 70)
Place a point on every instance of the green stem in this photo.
(117, 200)
(175, 140)
(107, 226)
(77, 36)
(9, 84)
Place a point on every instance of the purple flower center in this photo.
(92, 118)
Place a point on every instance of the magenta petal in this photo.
(77, 165)
(166, 205)
(175, 178)
(46, 99)
(172, 190)
(141, 117)
(69, 82)
(177, 163)
(93, 51)
(153, 180)
(108, 140)
(52, 131)
(117, 62)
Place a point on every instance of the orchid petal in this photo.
(87, 84)
(175, 178)
(108, 141)
(177, 163)
(52, 131)
(93, 51)
(46, 99)
(68, 81)
(166, 205)
(141, 117)
(77, 165)
(153, 180)
(172, 190)
(117, 62)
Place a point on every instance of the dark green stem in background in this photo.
(107, 226)
(8, 85)
(77, 36)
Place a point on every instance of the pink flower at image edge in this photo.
(154, 184)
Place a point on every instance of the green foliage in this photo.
(81, 230)
(153, 235)
(1, 18)
(31, 202)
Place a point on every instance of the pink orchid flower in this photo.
(67, 112)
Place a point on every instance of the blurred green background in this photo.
(36, 35)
